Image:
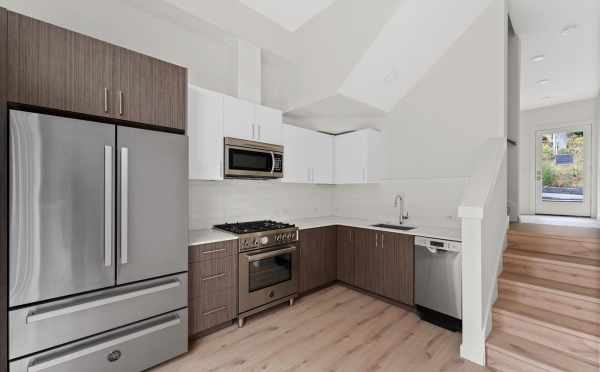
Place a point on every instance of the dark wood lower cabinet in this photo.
(398, 267)
(378, 262)
(212, 285)
(318, 257)
(368, 260)
(345, 255)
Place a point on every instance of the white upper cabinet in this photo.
(245, 120)
(268, 125)
(205, 132)
(358, 157)
(308, 156)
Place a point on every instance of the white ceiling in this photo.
(572, 61)
(291, 15)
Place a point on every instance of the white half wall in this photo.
(574, 113)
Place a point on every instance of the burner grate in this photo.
(253, 226)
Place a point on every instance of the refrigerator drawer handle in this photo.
(108, 206)
(65, 358)
(262, 256)
(124, 203)
(36, 317)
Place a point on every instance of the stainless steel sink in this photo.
(395, 227)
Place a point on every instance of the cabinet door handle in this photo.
(215, 310)
(258, 125)
(217, 276)
(252, 131)
(376, 239)
(382, 240)
(121, 103)
(106, 100)
(214, 251)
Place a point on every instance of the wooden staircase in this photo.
(547, 317)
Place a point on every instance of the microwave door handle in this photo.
(272, 162)
(262, 256)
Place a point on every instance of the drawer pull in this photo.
(213, 277)
(215, 310)
(215, 251)
(65, 358)
(37, 316)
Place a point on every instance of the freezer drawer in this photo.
(438, 280)
(61, 207)
(37, 328)
(132, 348)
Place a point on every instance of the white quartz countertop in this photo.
(206, 236)
(421, 229)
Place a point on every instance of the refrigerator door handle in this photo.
(108, 206)
(124, 202)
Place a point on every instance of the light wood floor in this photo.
(336, 329)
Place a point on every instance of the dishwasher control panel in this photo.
(435, 244)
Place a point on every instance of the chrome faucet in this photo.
(399, 201)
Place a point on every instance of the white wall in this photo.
(513, 116)
(580, 112)
(459, 104)
(246, 200)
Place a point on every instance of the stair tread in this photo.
(565, 289)
(556, 232)
(536, 354)
(550, 319)
(553, 258)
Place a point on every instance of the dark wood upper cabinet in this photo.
(317, 258)
(368, 260)
(134, 90)
(345, 255)
(56, 68)
(170, 94)
(398, 267)
(90, 75)
(38, 68)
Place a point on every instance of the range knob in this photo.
(264, 240)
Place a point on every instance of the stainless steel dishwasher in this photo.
(438, 284)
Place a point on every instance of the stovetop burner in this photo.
(254, 226)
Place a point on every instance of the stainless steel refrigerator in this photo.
(97, 245)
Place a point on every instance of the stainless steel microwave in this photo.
(249, 159)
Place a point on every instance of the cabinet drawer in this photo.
(132, 348)
(212, 309)
(36, 328)
(212, 275)
(213, 251)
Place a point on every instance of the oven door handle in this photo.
(262, 256)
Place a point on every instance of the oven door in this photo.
(252, 160)
(267, 275)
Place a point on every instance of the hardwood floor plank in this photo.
(335, 329)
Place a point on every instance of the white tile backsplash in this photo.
(246, 200)
(432, 200)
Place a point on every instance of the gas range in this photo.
(267, 264)
(261, 234)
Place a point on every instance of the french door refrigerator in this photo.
(97, 245)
